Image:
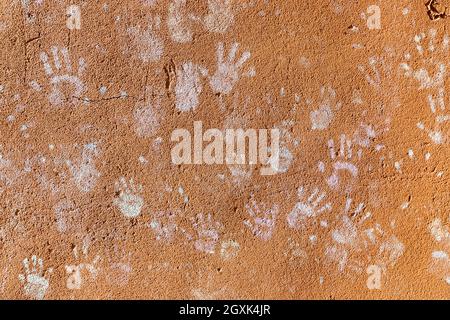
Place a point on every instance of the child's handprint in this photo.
(61, 73)
(262, 219)
(207, 233)
(227, 73)
(34, 280)
(129, 199)
(307, 208)
(220, 16)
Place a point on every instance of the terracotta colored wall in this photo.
(92, 206)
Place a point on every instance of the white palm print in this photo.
(342, 160)
(34, 280)
(220, 16)
(352, 242)
(148, 44)
(163, 225)
(146, 116)
(177, 23)
(307, 208)
(441, 257)
(262, 219)
(347, 237)
(74, 271)
(68, 216)
(348, 231)
(62, 73)
(189, 86)
(30, 9)
(84, 172)
(228, 71)
(389, 251)
(437, 107)
(207, 233)
(432, 73)
(321, 117)
(129, 199)
(287, 143)
(229, 249)
(119, 271)
(376, 71)
(363, 136)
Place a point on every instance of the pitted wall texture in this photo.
(93, 207)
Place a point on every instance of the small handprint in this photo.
(62, 73)
(229, 249)
(440, 264)
(9, 173)
(437, 107)
(30, 9)
(129, 199)
(149, 46)
(342, 161)
(262, 219)
(220, 16)
(68, 216)
(146, 114)
(348, 232)
(227, 73)
(34, 280)
(188, 86)
(177, 23)
(376, 71)
(295, 252)
(389, 251)
(164, 226)
(321, 118)
(75, 279)
(348, 239)
(84, 172)
(307, 208)
(120, 267)
(207, 233)
(357, 243)
(428, 58)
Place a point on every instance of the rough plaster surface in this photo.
(91, 205)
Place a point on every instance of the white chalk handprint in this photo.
(440, 263)
(34, 280)
(146, 115)
(307, 208)
(164, 226)
(321, 117)
(188, 86)
(129, 199)
(377, 72)
(425, 75)
(83, 170)
(74, 271)
(227, 73)
(178, 24)
(437, 107)
(207, 233)
(62, 73)
(148, 44)
(348, 238)
(342, 160)
(220, 16)
(262, 219)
